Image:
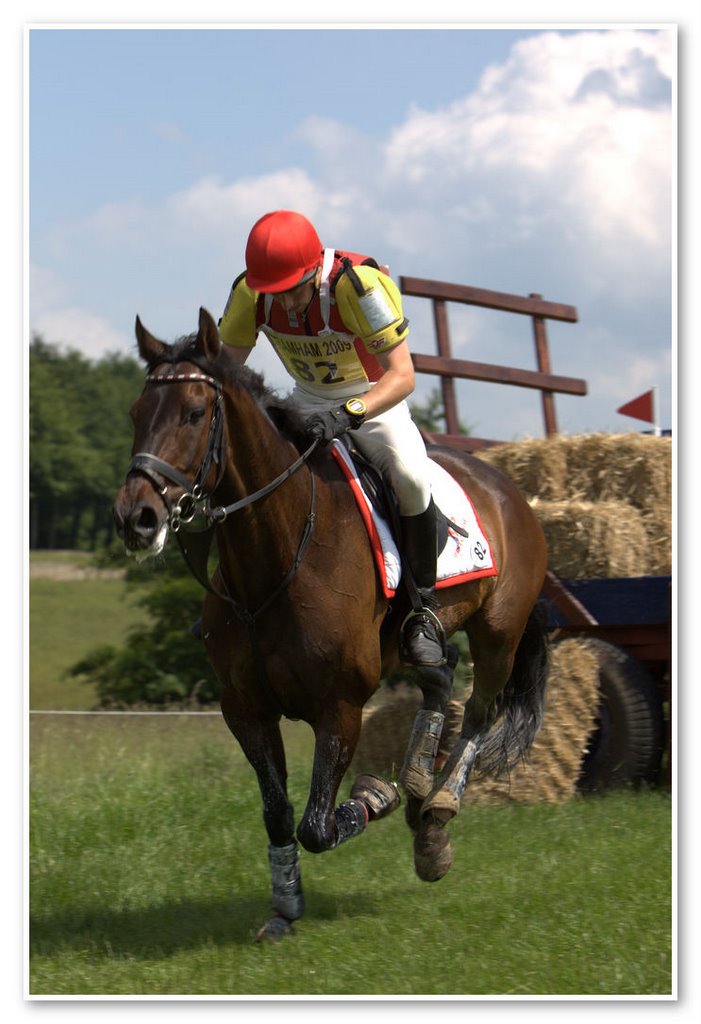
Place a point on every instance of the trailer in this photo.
(628, 625)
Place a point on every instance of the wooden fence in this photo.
(448, 369)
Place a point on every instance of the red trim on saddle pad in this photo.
(375, 542)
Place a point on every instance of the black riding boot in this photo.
(422, 641)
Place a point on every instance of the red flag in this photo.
(640, 408)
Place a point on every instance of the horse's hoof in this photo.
(275, 929)
(379, 796)
(433, 853)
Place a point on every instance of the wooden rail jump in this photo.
(447, 368)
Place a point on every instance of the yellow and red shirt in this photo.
(355, 313)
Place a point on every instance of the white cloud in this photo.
(576, 127)
(78, 329)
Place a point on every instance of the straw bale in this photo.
(594, 539)
(538, 467)
(659, 537)
(554, 766)
(633, 468)
(553, 769)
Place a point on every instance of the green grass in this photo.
(149, 872)
(149, 876)
(67, 619)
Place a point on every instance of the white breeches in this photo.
(393, 443)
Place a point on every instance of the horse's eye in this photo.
(195, 414)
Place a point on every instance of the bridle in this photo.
(194, 499)
(159, 472)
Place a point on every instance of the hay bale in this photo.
(658, 528)
(626, 477)
(538, 466)
(594, 539)
(553, 768)
(556, 757)
(631, 468)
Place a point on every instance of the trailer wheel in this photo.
(627, 743)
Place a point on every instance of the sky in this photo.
(518, 159)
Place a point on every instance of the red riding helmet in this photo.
(282, 247)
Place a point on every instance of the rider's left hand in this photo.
(327, 425)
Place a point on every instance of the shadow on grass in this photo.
(160, 931)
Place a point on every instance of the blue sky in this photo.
(537, 160)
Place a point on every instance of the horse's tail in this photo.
(521, 704)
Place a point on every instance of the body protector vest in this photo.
(332, 350)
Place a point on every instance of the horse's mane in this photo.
(278, 408)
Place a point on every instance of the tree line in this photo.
(80, 439)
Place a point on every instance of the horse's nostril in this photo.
(144, 520)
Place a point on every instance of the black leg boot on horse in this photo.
(423, 645)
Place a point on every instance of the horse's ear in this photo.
(150, 348)
(208, 341)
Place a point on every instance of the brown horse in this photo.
(295, 622)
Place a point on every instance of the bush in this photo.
(161, 662)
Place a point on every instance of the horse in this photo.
(294, 621)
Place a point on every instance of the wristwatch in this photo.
(356, 409)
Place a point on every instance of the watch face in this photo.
(355, 406)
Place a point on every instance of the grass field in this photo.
(149, 874)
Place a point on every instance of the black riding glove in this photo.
(327, 425)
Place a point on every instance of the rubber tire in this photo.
(627, 744)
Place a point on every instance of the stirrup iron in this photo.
(428, 616)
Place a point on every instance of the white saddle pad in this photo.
(463, 558)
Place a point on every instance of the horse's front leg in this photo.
(323, 825)
(261, 742)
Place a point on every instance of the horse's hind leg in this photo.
(443, 803)
(261, 742)
(493, 661)
(416, 775)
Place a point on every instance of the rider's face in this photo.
(296, 299)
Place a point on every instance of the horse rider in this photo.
(335, 320)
